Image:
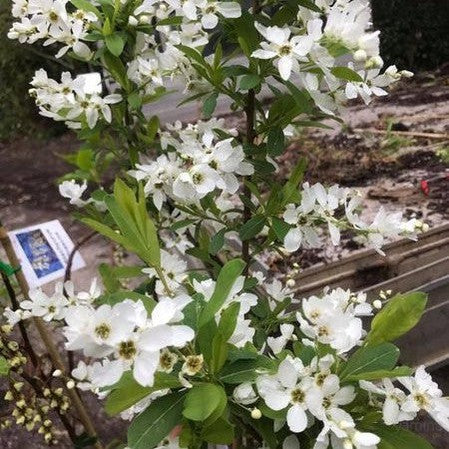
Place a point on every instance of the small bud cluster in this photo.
(10, 350)
(30, 412)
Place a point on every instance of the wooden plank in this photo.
(367, 268)
(409, 266)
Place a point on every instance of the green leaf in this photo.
(4, 366)
(115, 44)
(153, 127)
(106, 231)
(128, 392)
(135, 100)
(309, 4)
(400, 371)
(305, 353)
(239, 372)
(247, 33)
(396, 437)
(87, 6)
(111, 283)
(228, 320)
(203, 400)
(217, 241)
(219, 353)
(347, 74)
(369, 359)
(219, 432)
(249, 81)
(116, 68)
(401, 314)
(226, 279)
(290, 189)
(209, 105)
(85, 159)
(263, 426)
(275, 141)
(280, 228)
(252, 227)
(155, 423)
(137, 232)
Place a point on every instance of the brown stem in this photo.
(63, 418)
(15, 306)
(49, 340)
(83, 241)
(250, 111)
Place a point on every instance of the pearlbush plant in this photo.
(210, 347)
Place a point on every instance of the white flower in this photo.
(174, 270)
(340, 432)
(211, 9)
(285, 50)
(13, 316)
(187, 8)
(394, 399)
(140, 406)
(425, 395)
(277, 344)
(48, 307)
(159, 335)
(73, 191)
(288, 389)
(244, 394)
(243, 333)
(331, 321)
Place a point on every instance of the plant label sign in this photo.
(43, 251)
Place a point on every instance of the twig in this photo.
(83, 241)
(23, 331)
(48, 340)
(402, 133)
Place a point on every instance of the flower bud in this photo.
(377, 304)
(360, 55)
(407, 74)
(256, 413)
(57, 373)
(144, 18)
(70, 384)
(132, 21)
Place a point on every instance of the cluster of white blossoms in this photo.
(312, 49)
(337, 208)
(50, 20)
(312, 392)
(204, 12)
(334, 319)
(421, 394)
(73, 100)
(125, 336)
(195, 163)
(145, 339)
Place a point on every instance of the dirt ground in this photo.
(388, 169)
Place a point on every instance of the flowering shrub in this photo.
(207, 348)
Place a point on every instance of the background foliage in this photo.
(414, 33)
